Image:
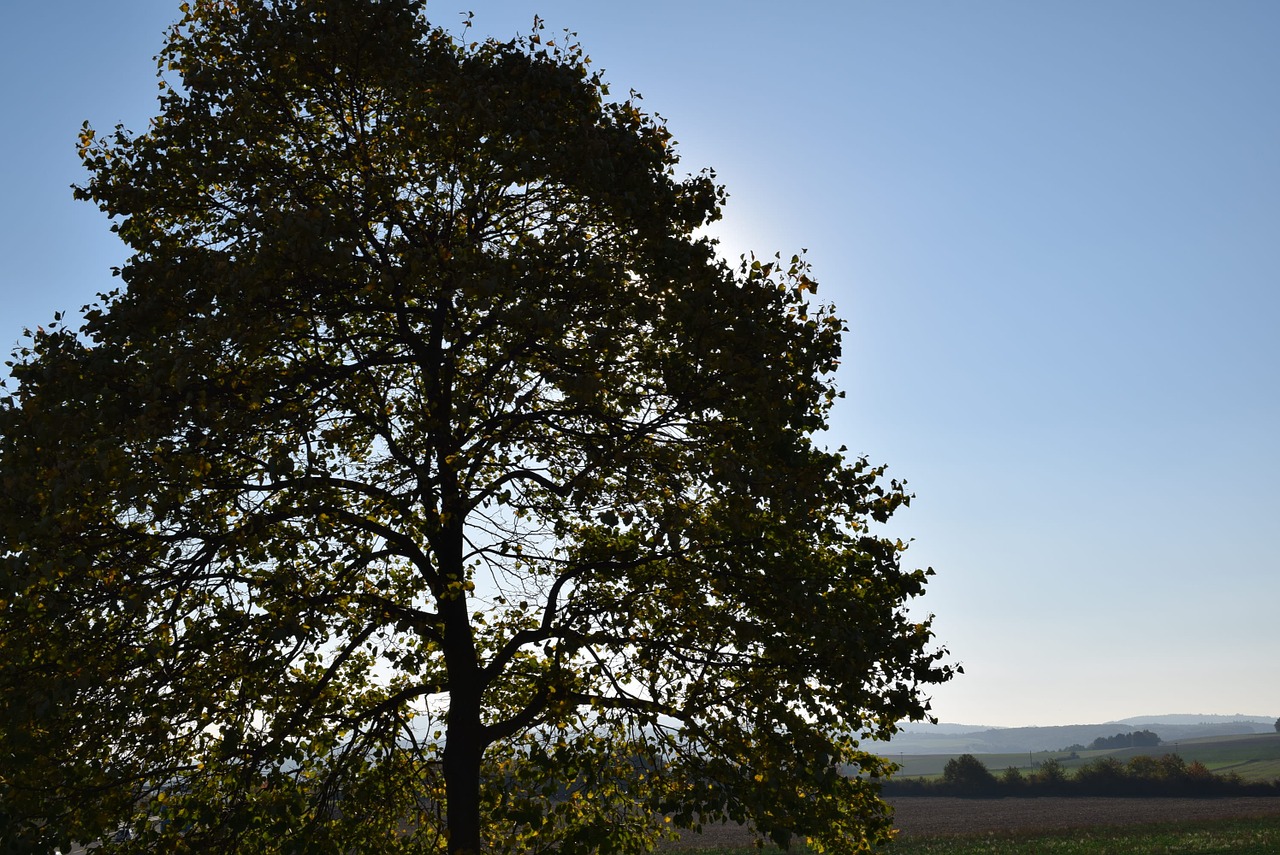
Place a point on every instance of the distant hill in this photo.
(961, 739)
(1196, 719)
(1252, 756)
(945, 728)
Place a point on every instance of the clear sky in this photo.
(1054, 229)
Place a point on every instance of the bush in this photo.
(1049, 777)
(1104, 776)
(966, 775)
(1012, 780)
(1168, 775)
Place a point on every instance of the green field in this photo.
(1252, 756)
(1221, 837)
(1236, 837)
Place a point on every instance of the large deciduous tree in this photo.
(429, 484)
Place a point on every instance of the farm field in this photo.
(929, 815)
(1220, 837)
(1071, 826)
(1252, 756)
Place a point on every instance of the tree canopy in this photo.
(429, 483)
(1133, 739)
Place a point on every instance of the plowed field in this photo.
(929, 815)
(938, 815)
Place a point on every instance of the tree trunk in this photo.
(464, 735)
(462, 754)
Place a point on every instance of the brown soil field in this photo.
(933, 815)
(938, 815)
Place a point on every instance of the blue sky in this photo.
(1054, 229)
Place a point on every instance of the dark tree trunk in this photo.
(464, 734)
(462, 754)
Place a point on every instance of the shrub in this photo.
(1104, 776)
(1012, 780)
(1049, 777)
(966, 775)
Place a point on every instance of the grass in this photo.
(1216, 837)
(1219, 837)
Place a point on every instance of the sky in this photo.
(1053, 228)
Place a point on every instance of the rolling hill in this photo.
(1252, 756)
(968, 739)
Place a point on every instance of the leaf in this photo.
(427, 466)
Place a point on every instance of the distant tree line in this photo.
(1169, 775)
(1136, 739)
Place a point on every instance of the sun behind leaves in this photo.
(428, 484)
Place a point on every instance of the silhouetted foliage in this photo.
(1103, 776)
(966, 775)
(1012, 781)
(1166, 775)
(428, 460)
(1049, 777)
(1135, 739)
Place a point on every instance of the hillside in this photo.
(1252, 756)
(952, 739)
(1196, 718)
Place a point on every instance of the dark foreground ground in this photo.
(929, 815)
(934, 815)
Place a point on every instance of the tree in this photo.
(1101, 776)
(429, 483)
(1012, 781)
(1049, 775)
(1133, 739)
(966, 775)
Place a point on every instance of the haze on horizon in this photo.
(1052, 228)
(1132, 721)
